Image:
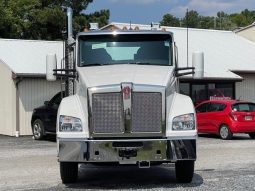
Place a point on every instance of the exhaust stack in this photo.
(70, 24)
(198, 63)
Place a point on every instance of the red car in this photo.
(226, 117)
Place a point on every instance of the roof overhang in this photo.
(243, 71)
(209, 79)
(245, 28)
(27, 75)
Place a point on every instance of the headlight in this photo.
(184, 122)
(69, 124)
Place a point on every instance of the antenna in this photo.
(187, 22)
(130, 28)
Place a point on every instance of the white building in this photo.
(229, 61)
(22, 82)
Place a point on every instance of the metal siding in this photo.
(33, 93)
(7, 101)
(245, 90)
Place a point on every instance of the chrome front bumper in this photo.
(128, 151)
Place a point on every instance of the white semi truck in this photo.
(126, 109)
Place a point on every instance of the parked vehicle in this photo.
(226, 117)
(44, 117)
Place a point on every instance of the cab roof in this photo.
(116, 32)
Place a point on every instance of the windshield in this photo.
(154, 49)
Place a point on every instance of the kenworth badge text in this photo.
(125, 109)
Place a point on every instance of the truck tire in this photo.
(252, 135)
(225, 133)
(184, 171)
(38, 129)
(68, 172)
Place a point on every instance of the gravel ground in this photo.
(26, 164)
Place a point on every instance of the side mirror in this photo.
(51, 65)
(187, 70)
(46, 103)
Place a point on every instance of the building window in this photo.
(185, 88)
(227, 89)
(199, 93)
(205, 91)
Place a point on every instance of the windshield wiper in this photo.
(96, 64)
(147, 63)
(140, 63)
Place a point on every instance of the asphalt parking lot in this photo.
(26, 164)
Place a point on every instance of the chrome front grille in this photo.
(107, 113)
(127, 110)
(146, 112)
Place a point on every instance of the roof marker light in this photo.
(114, 33)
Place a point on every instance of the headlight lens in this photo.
(184, 122)
(69, 124)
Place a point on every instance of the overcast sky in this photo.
(147, 11)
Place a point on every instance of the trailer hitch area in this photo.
(127, 153)
(144, 164)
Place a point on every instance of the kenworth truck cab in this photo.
(126, 109)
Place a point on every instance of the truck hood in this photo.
(116, 74)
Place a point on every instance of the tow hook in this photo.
(144, 164)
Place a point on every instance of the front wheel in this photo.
(184, 171)
(69, 172)
(225, 132)
(38, 129)
(252, 135)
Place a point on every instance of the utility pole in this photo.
(220, 20)
(214, 23)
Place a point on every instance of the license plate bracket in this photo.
(127, 153)
(248, 118)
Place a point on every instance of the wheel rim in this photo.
(224, 132)
(37, 130)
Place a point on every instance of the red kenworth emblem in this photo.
(126, 92)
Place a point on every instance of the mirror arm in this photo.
(183, 74)
(185, 68)
(64, 70)
(65, 75)
(177, 74)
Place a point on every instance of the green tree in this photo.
(191, 19)
(206, 22)
(170, 20)
(244, 18)
(222, 21)
(44, 19)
